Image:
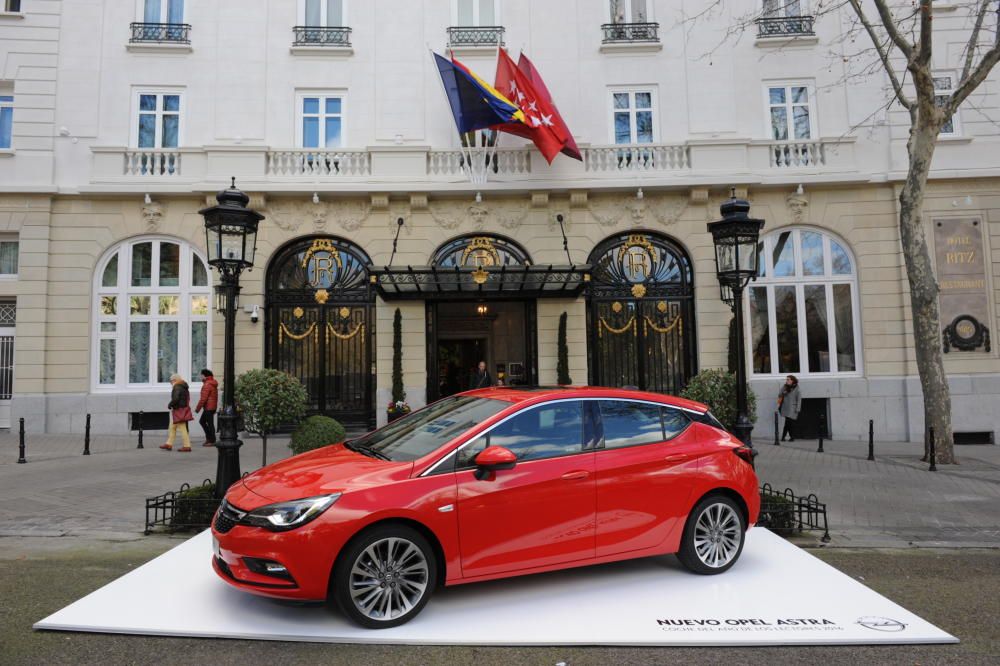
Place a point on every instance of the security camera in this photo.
(255, 314)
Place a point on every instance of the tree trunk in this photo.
(924, 294)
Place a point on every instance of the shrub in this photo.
(562, 364)
(717, 389)
(269, 399)
(194, 508)
(316, 432)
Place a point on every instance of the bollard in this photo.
(776, 443)
(871, 440)
(140, 431)
(933, 454)
(20, 449)
(822, 431)
(86, 437)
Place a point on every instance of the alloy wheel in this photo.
(388, 579)
(717, 535)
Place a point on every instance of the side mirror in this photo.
(492, 459)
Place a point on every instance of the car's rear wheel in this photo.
(713, 536)
(384, 576)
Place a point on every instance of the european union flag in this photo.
(474, 103)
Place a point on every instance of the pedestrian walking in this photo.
(789, 406)
(180, 414)
(209, 401)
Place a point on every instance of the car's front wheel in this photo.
(384, 576)
(713, 536)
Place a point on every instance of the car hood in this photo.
(332, 469)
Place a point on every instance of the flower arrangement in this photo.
(397, 409)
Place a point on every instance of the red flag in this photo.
(528, 68)
(540, 124)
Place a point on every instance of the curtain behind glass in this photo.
(175, 11)
(152, 12)
(8, 257)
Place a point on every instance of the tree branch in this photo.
(883, 52)
(970, 48)
(926, 33)
(889, 22)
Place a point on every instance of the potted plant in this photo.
(397, 406)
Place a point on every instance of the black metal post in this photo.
(871, 440)
(20, 448)
(933, 453)
(141, 419)
(743, 426)
(822, 431)
(777, 442)
(86, 437)
(228, 446)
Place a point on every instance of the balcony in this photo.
(647, 157)
(617, 33)
(785, 26)
(307, 35)
(161, 33)
(474, 37)
(317, 163)
(791, 154)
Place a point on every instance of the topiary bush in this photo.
(269, 399)
(562, 362)
(316, 432)
(717, 389)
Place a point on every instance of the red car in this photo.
(488, 484)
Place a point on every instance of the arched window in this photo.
(803, 307)
(480, 250)
(152, 315)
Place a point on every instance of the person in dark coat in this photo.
(209, 401)
(789, 406)
(180, 414)
(481, 377)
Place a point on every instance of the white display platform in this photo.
(777, 594)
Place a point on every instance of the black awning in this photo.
(438, 283)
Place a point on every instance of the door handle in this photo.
(577, 475)
(677, 458)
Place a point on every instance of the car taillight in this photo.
(746, 453)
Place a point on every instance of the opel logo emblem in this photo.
(881, 623)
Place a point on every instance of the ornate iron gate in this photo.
(641, 311)
(320, 325)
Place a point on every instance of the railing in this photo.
(785, 513)
(500, 163)
(784, 154)
(476, 36)
(160, 33)
(307, 35)
(152, 162)
(632, 157)
(186, 509)
(785, 26)
(317, 162)
(630, 32)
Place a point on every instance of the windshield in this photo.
(417, 434)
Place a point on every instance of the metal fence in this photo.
(786, 513)
(161, 33)
(183, 510)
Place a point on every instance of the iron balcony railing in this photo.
(476, 36)
(309, 35)
(785, 26)
(630, 32)
(161, 33)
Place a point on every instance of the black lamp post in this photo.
(735, 237)
(231, 237)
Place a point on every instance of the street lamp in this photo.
(735, 237)
(231, 237)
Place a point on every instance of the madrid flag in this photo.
(542, 123)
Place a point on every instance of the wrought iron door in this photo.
(641, 314)
(320, 325)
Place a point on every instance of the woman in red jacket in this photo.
(209, 401)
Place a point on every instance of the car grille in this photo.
(227, 517)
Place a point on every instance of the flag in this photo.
(538, 115)
(528, 68)
(474, 103)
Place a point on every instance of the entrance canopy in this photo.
(517, 281)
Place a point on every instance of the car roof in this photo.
(516, 394)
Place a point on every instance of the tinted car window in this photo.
(630, 423)
(423, 431)
(548, 431)
(674, 422)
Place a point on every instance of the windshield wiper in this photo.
(365, 450)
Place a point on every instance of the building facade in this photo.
(119, 121)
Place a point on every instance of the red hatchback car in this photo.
(488, 484)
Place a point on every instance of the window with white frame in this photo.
(321, 120)
(803, 306)
(629, 11)
(6, 117)
(783, 8)
(9, 248)
(790, 111)
(632, 116)
(944, 87)
(152, 298)
(13, 6)
(158, 120)
(322, 13)
(163, 11)
(476, 13)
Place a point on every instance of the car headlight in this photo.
(285, 516)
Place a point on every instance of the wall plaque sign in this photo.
(961, 270)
